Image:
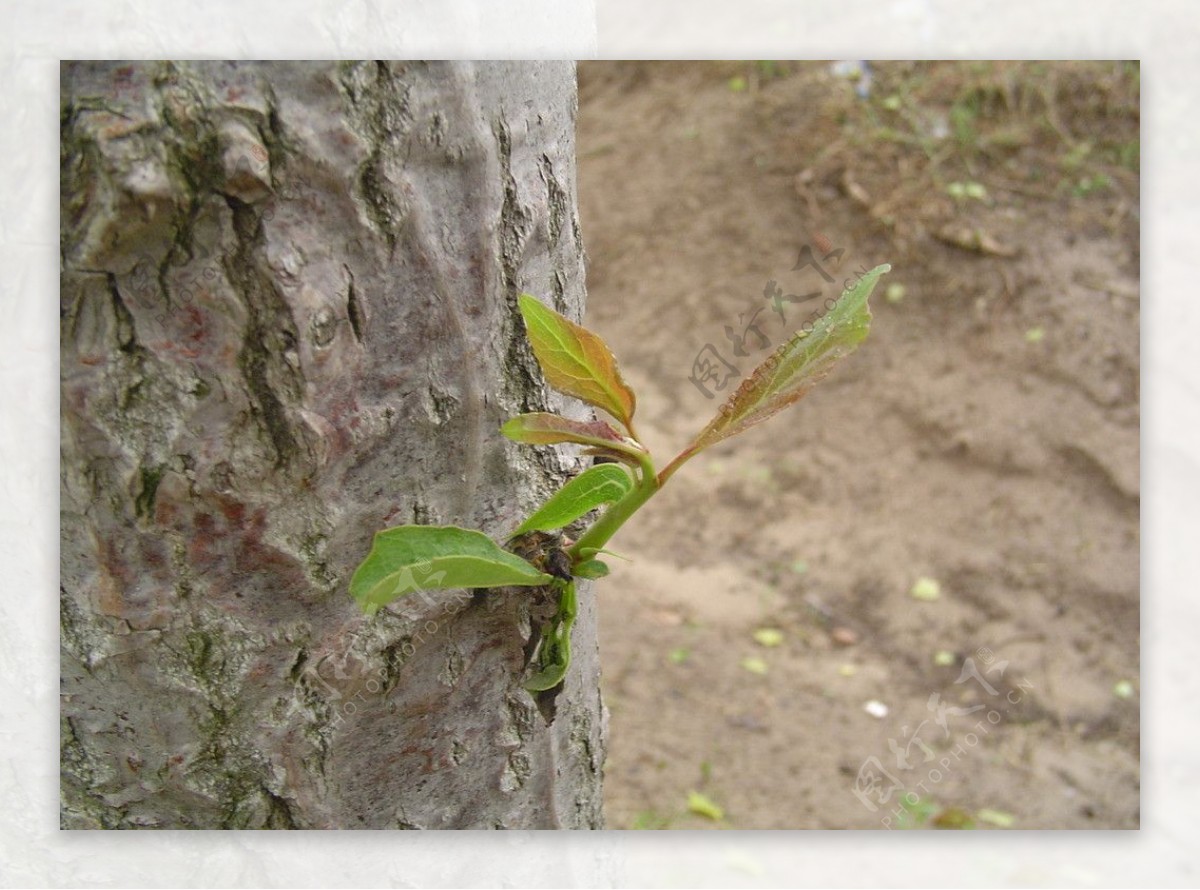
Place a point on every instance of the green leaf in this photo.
(703, 805)
(649, 820)
(550, 429)
(755, 665)
(591, 569)
(596, 485)
(576, 361)
(797, 366)
(768, 636)
(428, 557)
(926, 590)
(554, 651)
(916, 813)
(999, 818)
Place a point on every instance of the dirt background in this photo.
(985, 436)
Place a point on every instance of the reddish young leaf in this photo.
(630, 460)
(796, 367)
(576, 361)
(550, 429)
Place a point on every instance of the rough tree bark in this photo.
(289, 320)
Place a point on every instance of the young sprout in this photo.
(578, 363)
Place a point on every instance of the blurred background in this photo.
(911, 600)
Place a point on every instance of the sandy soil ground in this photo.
(764, 648)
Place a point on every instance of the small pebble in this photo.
(666, 617)
(843, 636)
(876, 709)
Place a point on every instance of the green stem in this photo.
(616, 515)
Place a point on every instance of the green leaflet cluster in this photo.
(577, 362)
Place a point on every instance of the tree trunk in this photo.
(288, 321)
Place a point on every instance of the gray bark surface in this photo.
(289, 320)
